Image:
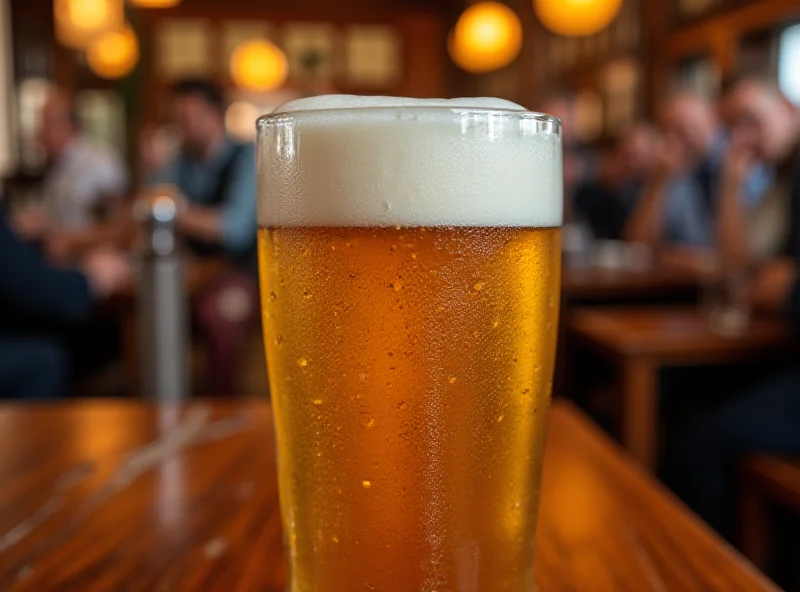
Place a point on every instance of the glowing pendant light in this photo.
(113, 54)
(155, 3)
(487, 36)
(77, 22)
(576, 18)
(259, 65)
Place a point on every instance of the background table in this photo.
(599, 285)
(127, 496)
(643, 340)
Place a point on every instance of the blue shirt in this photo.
(198, 179)
(689, 219)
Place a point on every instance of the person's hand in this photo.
(108, 271)
(31, 224)
(155, 148)
(738, 161)
(59, 249)
(773, 283)
(670, 158)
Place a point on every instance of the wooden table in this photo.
(766, 481)
(127, 496)
(603, 285)
(643, 340)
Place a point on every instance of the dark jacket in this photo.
(31, 290)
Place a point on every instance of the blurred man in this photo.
(81, 190)
(217, 175)
(765, 125)
(606, 202)
(35, 301)
(678, 204)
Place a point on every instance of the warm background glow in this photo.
(114, 54)
(259, 65)
(155, 3)
(79, 21)
(488, 36)
(577, 17)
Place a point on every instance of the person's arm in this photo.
(234, 223)
(30, 285)
(646, 224)
(731, 227)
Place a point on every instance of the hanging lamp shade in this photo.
(259, 65)
(113, 54)
(576, 18)
(487, 36)
(155, 3)
(77, 22)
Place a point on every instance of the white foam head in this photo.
(382, 161)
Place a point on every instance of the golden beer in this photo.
(410, 368)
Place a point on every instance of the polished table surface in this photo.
(128, 496)
(641, 341)
(604, 285)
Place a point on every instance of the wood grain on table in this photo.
(128, 496)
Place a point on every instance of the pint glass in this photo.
(410, 272)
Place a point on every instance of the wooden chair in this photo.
(766, 481)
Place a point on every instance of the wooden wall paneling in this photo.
(720, 34)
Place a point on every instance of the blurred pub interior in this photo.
(678, 335)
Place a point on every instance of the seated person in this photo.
(679, 202)
(35, 300)
(217, 176)
(81, 191)
(702, 462)
(606, 203)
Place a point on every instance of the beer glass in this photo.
(410, 271)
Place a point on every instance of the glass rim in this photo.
(269, 118)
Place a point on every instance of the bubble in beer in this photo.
(478, 287)
(317, 401)
(302, 362)
(366, 484)
(452, 379)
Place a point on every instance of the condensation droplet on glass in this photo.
(302, 362)
(279, 340)
(495, 324)
(387, 206)
(393, 248)
(362, 375)
(452, 379)
(368, 422)
(307, 295)
(476, 334)
(319, 454)
(401, 404)
(478, 287)
(397, 286)
(273, 296)
(526, 391)
(335, 539)
(366, 484)
(414, 256)
(500, 418)
(317, 401)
